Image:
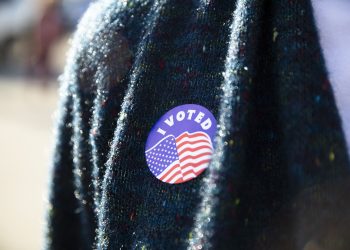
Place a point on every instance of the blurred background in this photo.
(34, 37)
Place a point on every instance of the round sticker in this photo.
(180, 145)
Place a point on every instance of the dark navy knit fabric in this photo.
(280, 172)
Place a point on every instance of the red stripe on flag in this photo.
(193, 157)
(191, 143)
(170, 170)
(193, 149)
(190, 135)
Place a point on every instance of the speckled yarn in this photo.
(280, 171)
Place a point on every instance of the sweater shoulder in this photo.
(105, 42)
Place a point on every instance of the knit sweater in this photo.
(279, 171)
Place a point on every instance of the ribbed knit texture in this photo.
(280, 169)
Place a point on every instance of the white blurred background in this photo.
(25, 131)
(34, 38)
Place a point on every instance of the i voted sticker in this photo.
(180, 145)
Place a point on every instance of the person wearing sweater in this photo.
(141, 81)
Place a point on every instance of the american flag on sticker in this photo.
(179, 159)
(180, 145)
